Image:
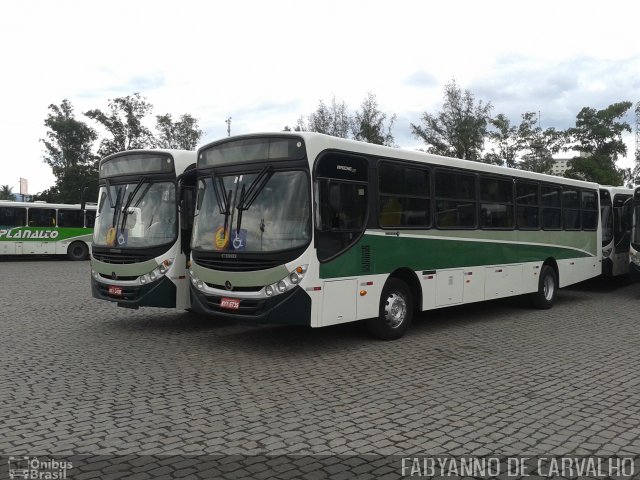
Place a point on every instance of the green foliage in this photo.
(68, 150)
(370, 124)
(595, 168)
(505, 141)
(183, 134)
(124, 124)
(459, 130)
(598, 136)
(331, 120)
(525, 146)
(6, 193)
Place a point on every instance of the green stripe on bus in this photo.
(389, 252)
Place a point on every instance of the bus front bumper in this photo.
(290, 308)
(161, 293)
(634, 272)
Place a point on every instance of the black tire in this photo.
(78, 251)
(396, 311)
(547, 289)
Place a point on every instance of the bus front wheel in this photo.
(78, 251)
(547, 288)
(396, 311)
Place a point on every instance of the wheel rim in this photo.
(549, 287)
(395, 310)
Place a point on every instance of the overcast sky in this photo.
(266, 63)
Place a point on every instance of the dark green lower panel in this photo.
(161, 293)
(291, 308)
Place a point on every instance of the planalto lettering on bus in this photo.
(304, 228)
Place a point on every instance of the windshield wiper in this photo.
(223, 200)
(116, 209)
(132, 195)
(247, 198)
(108, 184)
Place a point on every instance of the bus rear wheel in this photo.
(547, 288)
(78, 251)
(396, 311)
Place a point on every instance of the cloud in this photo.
(420, 78)
(559, 89)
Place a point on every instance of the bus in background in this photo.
(308, 229)
(634, 249)
(615, 212)
(142, 234)
(40, 228)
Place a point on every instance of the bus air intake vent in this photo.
(236, 264)
(122, 258)
(365, 261)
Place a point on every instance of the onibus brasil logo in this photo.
(33, 468)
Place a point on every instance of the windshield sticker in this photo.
(111, 237)
(239, 240)
(123, 236)
(221, 238)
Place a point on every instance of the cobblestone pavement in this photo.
(85, 377)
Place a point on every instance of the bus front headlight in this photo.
(156, 273)
(287, 283)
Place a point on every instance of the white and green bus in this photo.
(634, 249)
(615, 210)
(304, 228)
(142, 233)
(39, 228)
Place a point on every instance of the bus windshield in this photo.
(141, 214)
(264, 211)
(635, 230)
(606, 214)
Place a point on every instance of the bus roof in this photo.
(318, 142)
(182, 158)
(72, 206)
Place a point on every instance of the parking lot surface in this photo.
(83, 376)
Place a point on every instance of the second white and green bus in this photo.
(308, 229)
(40, 228)
(615, 209)
(634, 249)
(142, 232)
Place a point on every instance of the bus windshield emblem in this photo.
(228, 285)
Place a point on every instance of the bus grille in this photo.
(235, 289)
(122, 257)
(236, 264)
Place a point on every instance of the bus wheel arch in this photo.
(78, 250)
(548, 284)
(398, 301)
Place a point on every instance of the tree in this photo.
(124, 123)
(459, 129)
(6, 193)
(505, 142)
(598, 137)
(539, 145)
(69, 145)
(183, 134)
(333, 120)
(370, 124)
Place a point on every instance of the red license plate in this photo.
(113, 290)
(230, 303)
